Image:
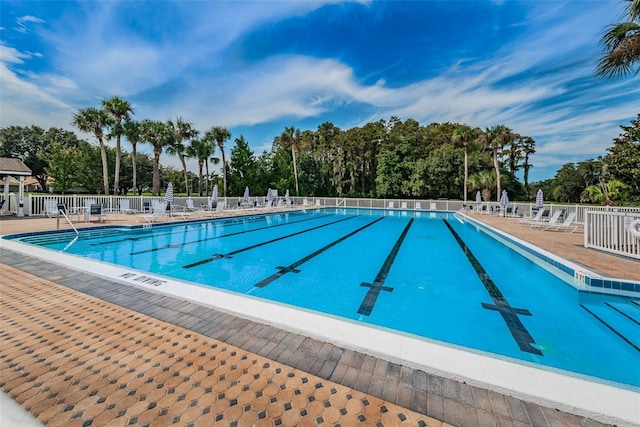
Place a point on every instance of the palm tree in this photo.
(132, 132)
(183, 131)
(120, 111)
(528, 146)
(291, 137)
(604, 192)
(495, 138)
(209, 146)
(484, 181)
(220, 135)
(94, 120)
(465, 134)
(200, 150)
(160, 136)
(622, 45)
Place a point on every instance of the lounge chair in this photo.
(97, 210)
(159, 212)
(536, 219)
(567, 225)
(318, 202)
(403, 205)
(433, 206)
(391, 205)
(125, 207)
(50, 207)
(418, 205)
(305, 202)
(553, 220)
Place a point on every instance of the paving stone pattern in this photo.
(81, 350)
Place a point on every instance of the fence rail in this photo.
(612, 232)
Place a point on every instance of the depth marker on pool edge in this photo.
(293, 267)
(378, 283)
(501, 305)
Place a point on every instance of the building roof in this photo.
(10, 166)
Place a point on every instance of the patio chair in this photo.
(125, 207)
(159, 212)
(50, 207)
(567, 225)
(403, 205)
(536, 219)
(391, 205)
(418, 205)
(553, 220)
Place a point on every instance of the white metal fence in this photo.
(613, 232)
(606, 228)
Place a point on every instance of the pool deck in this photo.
(81, 350)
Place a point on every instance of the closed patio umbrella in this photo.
(539, 199)
(286, 197)
(478, 198)
(168, 196)
(245, 198)
(214, 197)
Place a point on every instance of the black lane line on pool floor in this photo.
(228, 221)
(501, 305)
(377, 286)
(179, 245)
(216, 257)
(293, 268)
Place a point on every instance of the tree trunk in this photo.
(496, 165)
(133, 162)
(295, 167)
(116, 178)
(105, 168)
(186, 178)
(224, 175)
(207, 179)
(200, 164)
(156, 170)
(466, 172)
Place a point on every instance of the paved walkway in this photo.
(81, 350)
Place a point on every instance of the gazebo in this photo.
(11, 168)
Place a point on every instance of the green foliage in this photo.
(623, 158)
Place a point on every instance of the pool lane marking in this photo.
(611, 328)
(216, 257)
(377, 286)
(501, 305)
(229, 221)
(293, 268)
(235, 233)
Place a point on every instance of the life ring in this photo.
(634, 228)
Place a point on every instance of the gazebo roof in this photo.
(13, 167)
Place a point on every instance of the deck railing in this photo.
(613, 231)
(606, 228)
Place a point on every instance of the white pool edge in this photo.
(602, 402)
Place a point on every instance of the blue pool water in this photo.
(427, 274)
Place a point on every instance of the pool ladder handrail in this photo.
(64, 214)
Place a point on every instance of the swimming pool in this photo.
(434, 276)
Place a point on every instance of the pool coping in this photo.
(600, 401)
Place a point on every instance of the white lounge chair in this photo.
(553, 220)
(567, 225)
(125, 207)
(433, 206)
(403, 205)
(318, 202)
(535, 219)
(159, 212)
(305, 202)
(418, 205)
(50, 207)
(391, 205)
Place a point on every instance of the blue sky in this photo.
(258, 66)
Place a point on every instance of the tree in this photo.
(132, 132)
(528, 148)
(93, 120)
(160, 136)
(64, 162)
(464, 134)
(200, 149)
(220, 135)
(623, 158)
(182, 132)
(621, 45)
(242, 167)
(120, 112)
(604, 192)
(291, 138)
(484, 181)
(495, 138)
